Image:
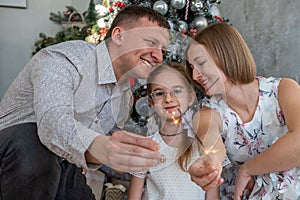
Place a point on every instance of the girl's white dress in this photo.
(167, 181)
(246, 140)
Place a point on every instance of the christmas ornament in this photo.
(196, 6)
(178, 4)
(182, 25)
(161, 7)
(142, 107)
(200, 22)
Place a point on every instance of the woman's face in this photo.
(205, 71)
(170, 96)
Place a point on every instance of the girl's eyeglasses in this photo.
(161, 94)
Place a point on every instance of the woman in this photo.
(260, 118)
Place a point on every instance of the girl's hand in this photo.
(205, 175)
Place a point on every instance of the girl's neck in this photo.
(172, 134)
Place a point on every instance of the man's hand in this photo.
(205, 175)
(124, 151)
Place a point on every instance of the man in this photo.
(67, 99)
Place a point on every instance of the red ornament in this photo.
(102, 31)
(219, 18)
(111, 9)
(193, 32)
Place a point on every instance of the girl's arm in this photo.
(213, 194)
(136, 188)
(206, 171)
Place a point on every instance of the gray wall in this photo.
(270, 27)
(20, 29)
(272, 30)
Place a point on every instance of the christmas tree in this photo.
(186, 18)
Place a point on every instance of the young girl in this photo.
(170, 95)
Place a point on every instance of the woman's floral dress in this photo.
(245, 140)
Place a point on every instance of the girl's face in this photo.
(170, 95)
(205, 71)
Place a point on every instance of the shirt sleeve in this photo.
(55, 80)
(139, 174)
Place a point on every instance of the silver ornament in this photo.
(196, 5)
(161, 7)
(174, 48)
(200, 22)
(182, 25)
(178, 4)
(142, 107)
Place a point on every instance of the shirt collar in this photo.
(104, 65)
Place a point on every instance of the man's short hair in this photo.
(133, 13)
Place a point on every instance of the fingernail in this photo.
(214, 173)
(162, 159)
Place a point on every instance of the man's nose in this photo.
(157, 55)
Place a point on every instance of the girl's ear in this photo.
(150, 101)
(117, 35)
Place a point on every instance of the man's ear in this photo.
(117, 35)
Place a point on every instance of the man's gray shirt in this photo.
(71, 92)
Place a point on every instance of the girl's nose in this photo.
(169, 97)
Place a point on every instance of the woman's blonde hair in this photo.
(228, 50)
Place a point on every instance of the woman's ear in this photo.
(117, 35)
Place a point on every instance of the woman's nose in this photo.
(196, 74)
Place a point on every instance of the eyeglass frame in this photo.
(171, 93)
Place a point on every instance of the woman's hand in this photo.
(125, 152)
(244, 182)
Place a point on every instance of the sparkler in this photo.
(176, 120)
(212, 84)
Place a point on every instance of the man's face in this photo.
(142, 47)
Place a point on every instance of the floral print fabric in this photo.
(246, 140)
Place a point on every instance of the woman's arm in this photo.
(136, 188)
(284, 153)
